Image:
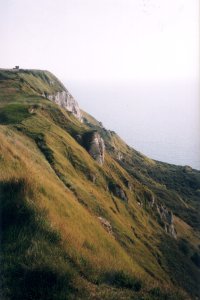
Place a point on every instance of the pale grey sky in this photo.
(102, 39)
(137, 59)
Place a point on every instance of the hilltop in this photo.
(85, 216)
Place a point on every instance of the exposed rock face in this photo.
(95, 146)
(167, 218)
(66, 101)
(119, 156)
(187, 169)
(106, 225)
(145, 198)
(92, 177)
(117, 191)
(128, 184)
(150, 198)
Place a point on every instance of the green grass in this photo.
(179, 266)
(13, 113)
(123, 280)
(33, 263)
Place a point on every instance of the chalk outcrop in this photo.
(66, 101)
(117, 191)
(95, 146)
(165, 216)
(167, 219)
(106, 224)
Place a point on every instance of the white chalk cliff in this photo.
(66, 101)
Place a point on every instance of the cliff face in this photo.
(167, 219)
(117, 191)
(65, 100)
(95, 146)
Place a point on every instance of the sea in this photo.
(161, 120)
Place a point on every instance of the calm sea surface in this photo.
(161, 121)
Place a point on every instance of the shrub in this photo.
(13, 208)
(196, 259)
(42, 145)
(41, 282)
(162, 294)
(13, 113)
(184, 246)
(121, 279)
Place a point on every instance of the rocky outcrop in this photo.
(149, 198)
(92, 177)
(95, 146)
(167, 218)
(106, 225)
(164, 216)
(145, 198)
(117, 191)
(120, 156)
(128, 184)
(66, 101)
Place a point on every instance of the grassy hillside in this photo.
(176, 186)
(65, 234)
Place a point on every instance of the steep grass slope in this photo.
(66, 232)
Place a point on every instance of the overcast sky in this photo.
(102, 39)
(120, 54)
